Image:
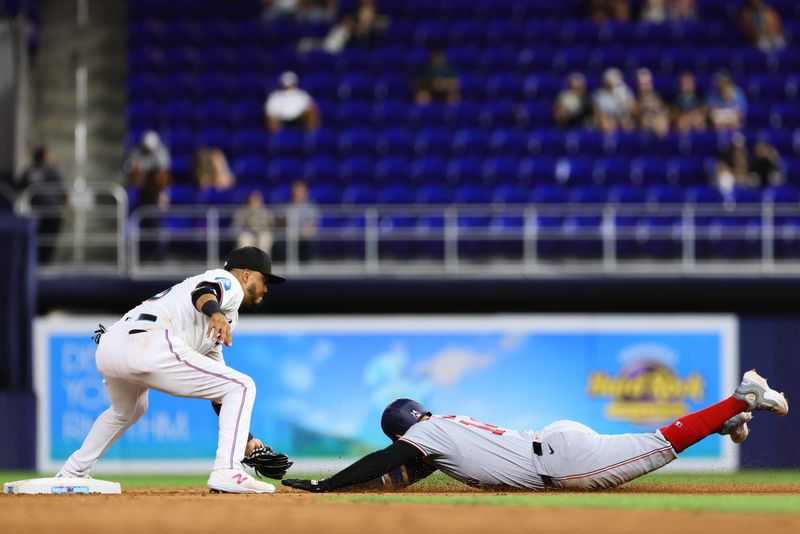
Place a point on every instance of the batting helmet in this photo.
(400, 415)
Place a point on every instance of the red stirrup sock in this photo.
(691, 428)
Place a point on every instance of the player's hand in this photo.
(252, 445)
(219, 330)
(314, 486)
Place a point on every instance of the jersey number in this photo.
(496, 430)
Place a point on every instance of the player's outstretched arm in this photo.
(370, 467)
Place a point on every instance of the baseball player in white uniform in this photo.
(172, 342)
(563, 455)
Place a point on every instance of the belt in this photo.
(538, 451)
(144, 317)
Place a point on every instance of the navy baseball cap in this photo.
(255, 259)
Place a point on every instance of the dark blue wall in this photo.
(17, 308)
(771, 345)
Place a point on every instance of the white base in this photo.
(62, 486)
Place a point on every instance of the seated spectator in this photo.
(290, 106)
(369, 25)
(765, 165)
(278, 9)
(603, 11)
(733, 166)
(654, 11)
(762, 25)
(614, 103)
(48, 199)
(438, 81)
(305, 215)
(211, 169)
(153, 193)
(651, 111)
(253, 224)
(688, 111)
(681, 10)
(334, 41)
(573, 107)
(316, 11)
(150, 155)
(726, 104)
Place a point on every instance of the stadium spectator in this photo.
(688, 111)
(153, 193)
(726, 104)
(253, 224)
(573, 107)
(765, 165)
(211, 169)
(48, 198)
(762, 25)
(614, 103)
(290, 106)
(651, 112)
(305, 215)
(681, 10)
(278, 9)
(438, 81)
(316, 11)
(150, 155)
(733, 165)
(369, 24)
(654, 11)
(334, 41)
(603, 11)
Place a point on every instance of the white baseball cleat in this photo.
(736, 427)
(236, 481)
(755, 391)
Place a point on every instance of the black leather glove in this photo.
(314, 486)
(268, 463)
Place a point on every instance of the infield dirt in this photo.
(193, 510)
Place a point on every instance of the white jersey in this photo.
(476, 453)
(175, 311)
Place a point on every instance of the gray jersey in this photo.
(476, 453)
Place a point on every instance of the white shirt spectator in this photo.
(289, 102)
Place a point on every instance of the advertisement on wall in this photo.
(323, 383)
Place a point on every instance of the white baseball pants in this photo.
(158, 359)
(583, 459)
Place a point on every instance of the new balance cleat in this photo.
(736, 427)
(236, 481)
(755, 391)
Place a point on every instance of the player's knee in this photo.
(249, 384)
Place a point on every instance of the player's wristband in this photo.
(210, 307)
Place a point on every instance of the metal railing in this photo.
(682, 239)
(90, 234)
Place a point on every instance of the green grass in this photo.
(774, 504)
(629, 500)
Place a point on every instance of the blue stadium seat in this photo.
(508, 142)
(504, 86)
(180, 141)
(574, 171)
(356, 142)
(500, 170)
(509, 194)
(356, 87)
(250, 170)
(547, 143)
(247, 114)
(541, 87)
(647, 171)
(686, 171)
(426, 115)
(432, 142)
(463, 170)
(321, 142)
(429, 170)
(388, 114)
(176, 113)
(394, 142)
(393, 170)
(214, 138)
(286, 143)
(284, 171)
(350, 114)
(395, 194)
(250, 142)
(393, 87)
(144, 87)
(322, 169)
(537, 171)
(142, 115)
(463, 115)
(469, 142)
(359, 194)
(356, 170)
(434, 194)
(609, 171)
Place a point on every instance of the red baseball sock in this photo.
(691, 428)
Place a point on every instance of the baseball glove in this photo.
(268, 463)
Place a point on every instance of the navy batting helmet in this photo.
(400, 415)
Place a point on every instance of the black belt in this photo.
(144, 317)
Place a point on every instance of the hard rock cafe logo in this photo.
(645, 392)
